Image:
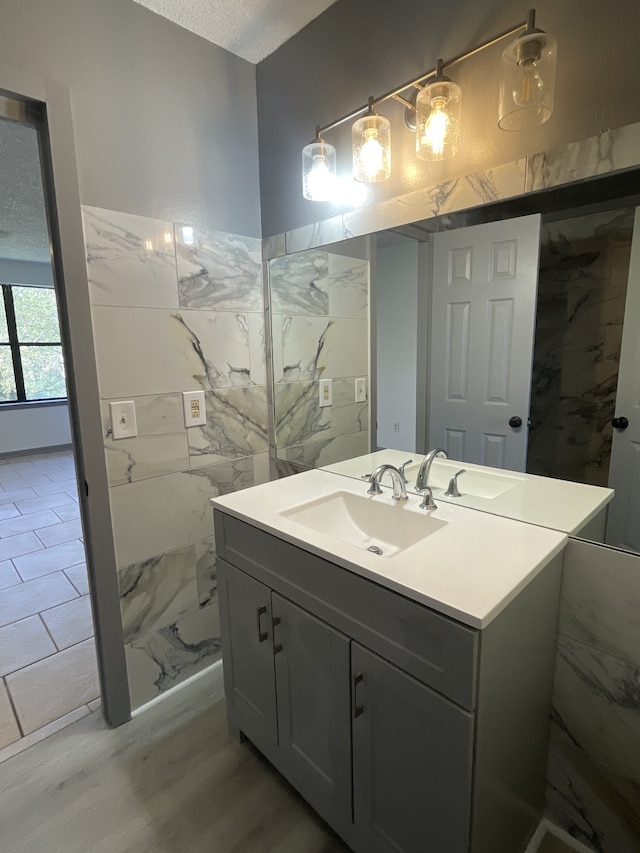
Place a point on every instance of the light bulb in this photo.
(371, 146)
(435, 130)
(318, 170)
(371, 154)
(438, 120)
(320, 179)
(530, 89)
(527, 81)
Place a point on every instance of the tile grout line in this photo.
(46, 628)
(13, 708)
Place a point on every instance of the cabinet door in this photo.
(248, 655)
(314, 727)
(412, 757)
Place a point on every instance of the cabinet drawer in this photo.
(436, 650)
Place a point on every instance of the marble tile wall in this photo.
(584, 266)
(320, 330)
(593, 778)
(175, 309)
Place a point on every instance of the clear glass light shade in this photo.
(318, 171)
(527, 81)
(371, 140)
(438, 120)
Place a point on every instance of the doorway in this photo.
(48, 670)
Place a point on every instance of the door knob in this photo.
(620, 423)
(515, 422)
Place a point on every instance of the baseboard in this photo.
(34, 451)
(569, 840)
(537, 837)
(188, 682)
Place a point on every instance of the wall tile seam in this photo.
(195, 470)
(200, 608)
(253, 385)
(312, 316)
(179, 309)
(602, 651)
(210, 605)
(170, 551)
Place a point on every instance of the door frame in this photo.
(62, 195)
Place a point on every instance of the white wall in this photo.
(34, 427)
(396, 282)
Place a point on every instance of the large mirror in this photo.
(507, 335)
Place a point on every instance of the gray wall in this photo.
(34, 428)
(25, 272)
(365, 47)
(165, 123)
(396, 282)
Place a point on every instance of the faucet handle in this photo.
(374, 488)
(402, 467)
(427, 499)
(452, 489)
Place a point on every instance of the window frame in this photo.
(14, 344)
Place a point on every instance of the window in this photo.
(31, 366)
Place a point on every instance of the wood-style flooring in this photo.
(170, 781)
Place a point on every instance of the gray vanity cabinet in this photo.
(249, 653)
(278, 655)
(406, 730)
(312, 688)
(412, 755)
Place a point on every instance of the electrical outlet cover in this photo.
(361, 390)
(123, 419)
(194, 409)
(325, 392)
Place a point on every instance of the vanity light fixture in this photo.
(318, 169)
(432, 108)
(371, 145)
(438, 118)
(528, 78)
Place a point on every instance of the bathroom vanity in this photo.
(405, 694)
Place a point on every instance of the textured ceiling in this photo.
(251, 29)
(23, 225)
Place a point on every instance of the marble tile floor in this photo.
(48, 672)
(171, 779)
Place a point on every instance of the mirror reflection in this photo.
(513, 345)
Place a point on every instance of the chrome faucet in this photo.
(422, 480)
(399, 488)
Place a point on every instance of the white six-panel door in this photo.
(485, 281)
(623, 524)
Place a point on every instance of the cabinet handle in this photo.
(262, 635)
(277, 647)
(358, 710)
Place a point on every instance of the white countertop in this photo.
(558, 504)
(469, 569)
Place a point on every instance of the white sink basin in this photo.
(474, 483)
(366, 522)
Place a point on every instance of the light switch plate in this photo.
(123, 419)
(194, 411)
(326, 393)
(361, 390)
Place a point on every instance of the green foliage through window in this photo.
(31, 365)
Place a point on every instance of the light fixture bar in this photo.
(397, 92)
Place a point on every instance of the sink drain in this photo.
(374, 549)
